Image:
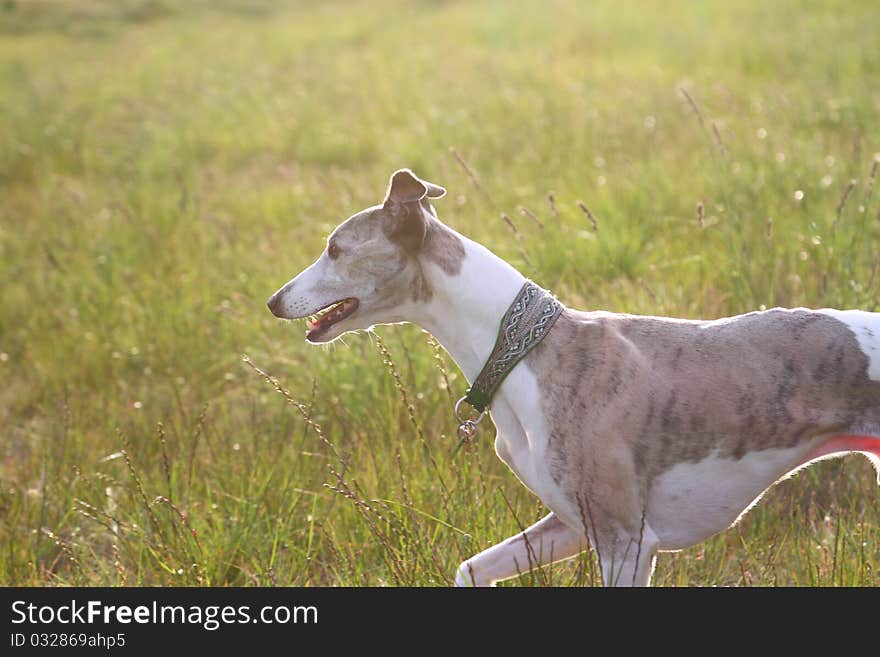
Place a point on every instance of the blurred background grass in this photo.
(165, 166)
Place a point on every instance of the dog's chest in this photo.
(522, 440)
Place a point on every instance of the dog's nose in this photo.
(273, 304)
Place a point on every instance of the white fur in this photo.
(465, 309)
(692, 501)
(866, 327)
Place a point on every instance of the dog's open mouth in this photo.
(329, 315)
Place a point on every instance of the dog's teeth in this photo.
(329, 315)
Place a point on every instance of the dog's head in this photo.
(369, 273)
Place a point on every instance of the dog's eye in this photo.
(333, 250)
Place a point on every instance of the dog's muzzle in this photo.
(274, 304)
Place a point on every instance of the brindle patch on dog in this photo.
(677, 391)
(441, 246)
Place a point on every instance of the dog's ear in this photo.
(405, 187)
(434, 191)
(405, 223)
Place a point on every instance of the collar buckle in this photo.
(467, 427)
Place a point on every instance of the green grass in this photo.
(164, 167)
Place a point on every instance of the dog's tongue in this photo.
(314, 328)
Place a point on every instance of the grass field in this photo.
(166, 166)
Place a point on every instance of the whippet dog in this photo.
(640, 434)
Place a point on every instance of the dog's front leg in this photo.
(547, 541)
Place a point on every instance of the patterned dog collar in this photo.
(527, 321)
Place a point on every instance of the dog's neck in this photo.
(465, 309)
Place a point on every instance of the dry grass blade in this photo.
(507, 220)
(523, 210)
(869, 185)
(641, 539)
(650, 291)
(401, 389)
(161, 499)
(440, 364)
(166, 464)
(303, 410)
(438, 472)
(118, 565)
(716, 132)
(586, 514)
(551, 201)
(66, 547)
(693, 105)
(194, 444)
(154, 520)
(719, 142)
(844, 197)
(593, 223)
(103, 518)
(473, 176)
